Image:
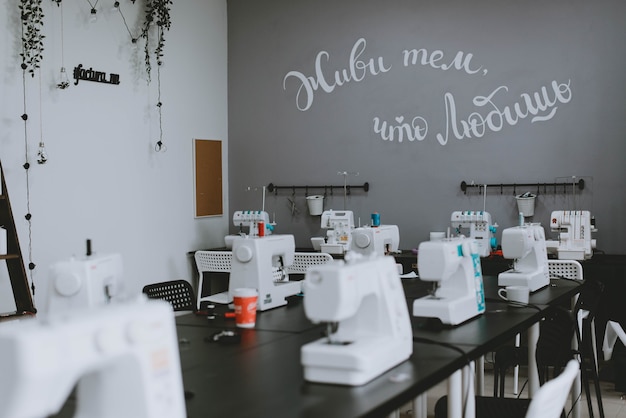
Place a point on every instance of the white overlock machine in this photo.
(262, 263)
(252, 223)
(123, 360)
(453, 264)
(574, 229)
(338, 226)
(380, 240)
(362, 302)
(526, 245)
(478, 226)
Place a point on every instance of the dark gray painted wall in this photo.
(508, 50)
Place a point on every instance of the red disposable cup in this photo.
(245, 300)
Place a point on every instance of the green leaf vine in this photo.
(157, 14)
(32, 38)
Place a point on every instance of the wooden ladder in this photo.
(13, 257)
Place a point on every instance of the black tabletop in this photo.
(268, 381)
(263, 374)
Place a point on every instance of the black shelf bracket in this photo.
(546, 187)
(272, 188)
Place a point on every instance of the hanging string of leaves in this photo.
(157, 14)
(32, 38)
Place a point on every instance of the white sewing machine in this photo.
(249, 220)
(574, 228)
(381, 240)
(261, 263)
(339, 226)
(454, 264)
(124, 359)
(84, 283)
(526, 245)
(369, 328)
(480, 228)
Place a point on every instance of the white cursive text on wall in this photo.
(358, 69)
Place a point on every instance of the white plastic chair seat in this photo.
(613, 331)
(550, 399)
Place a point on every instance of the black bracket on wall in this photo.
(547, 187)
(273, 188)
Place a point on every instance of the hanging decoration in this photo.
(157, 16)
(42, 155)
(64, 82)
(93, 13)
(32, 38)
(31, 15)
(117, 8)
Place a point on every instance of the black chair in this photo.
(177, 292)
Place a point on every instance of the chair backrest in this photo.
(550, 399)
(568, 269)
(213, 261)
(178, 293)
(302, 261)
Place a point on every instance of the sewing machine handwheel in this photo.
(67, 284)
(243, 254)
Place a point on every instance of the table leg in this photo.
(394, 414)
(420, 406)
(480, 376)
(455, 395)
(533, 372)
(469, 401)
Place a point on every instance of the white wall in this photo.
(103, 180)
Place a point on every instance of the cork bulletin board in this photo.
(208, 177)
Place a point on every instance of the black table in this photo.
(263, 376)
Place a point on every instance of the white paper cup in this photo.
(245, 300)
(437, 236)
(518, 294)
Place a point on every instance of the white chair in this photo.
(302, 261)
(613, 331)
(211, 262)
(571, 270)
(550, 400)
(221, 262)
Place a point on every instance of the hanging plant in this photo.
(32, 39)
(157, 15)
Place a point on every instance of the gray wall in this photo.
(566, 57)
